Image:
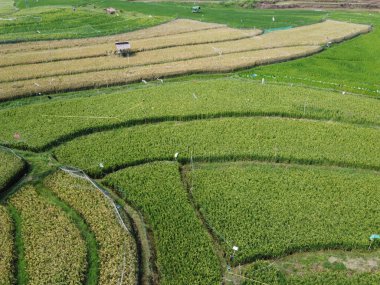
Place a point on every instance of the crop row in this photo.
(170, 28)
(274, 139)
(55, 253)
(218, 63)
(269, 211)
(183, 250)
(6, 248)
(201, 99)
(10, 168)
(263, 272)
(117, 249)
(106, 49)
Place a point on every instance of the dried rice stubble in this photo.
(222, 63)
(101, 50)
(67, 67)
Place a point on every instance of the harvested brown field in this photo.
(223, 63)
(220, 56)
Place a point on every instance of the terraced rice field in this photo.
(184, 58)
(203, 179)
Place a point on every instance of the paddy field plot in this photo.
(270, 211)
(102, 50)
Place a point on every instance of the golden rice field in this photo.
(216, 49)
(6, 248)
(98, 50)
(117, 248)
(66, 67)
(223, 63)
(54, 249)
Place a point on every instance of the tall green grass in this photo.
(352, 66)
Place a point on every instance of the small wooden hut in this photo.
(123, 48)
